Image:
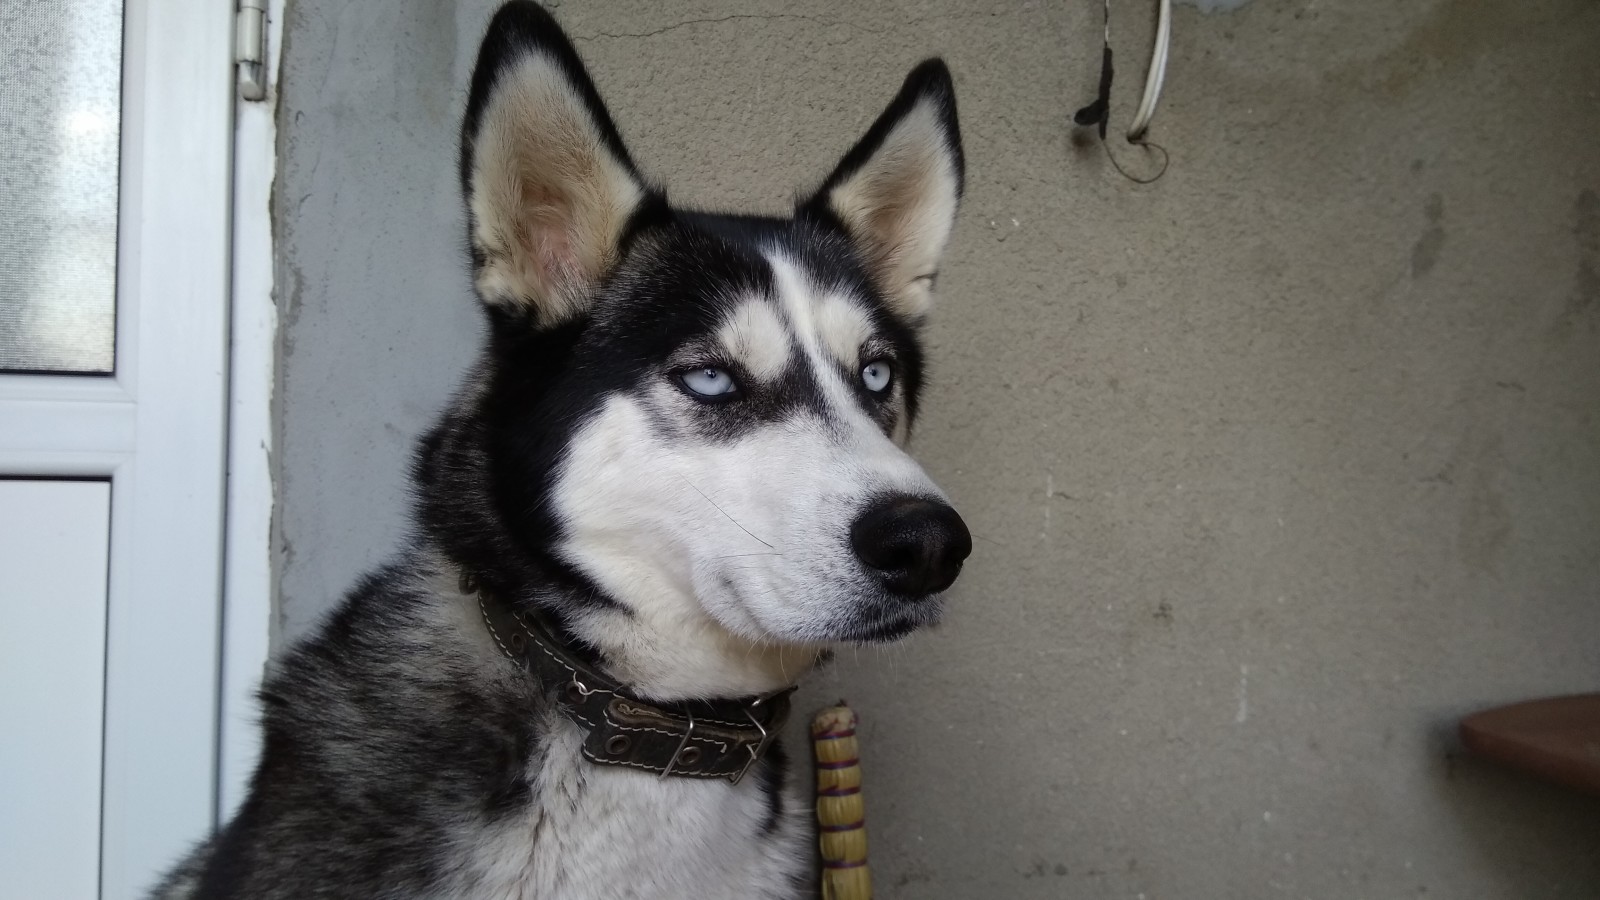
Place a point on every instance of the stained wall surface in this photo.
(1278, 465)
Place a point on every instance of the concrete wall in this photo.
(1278, 465)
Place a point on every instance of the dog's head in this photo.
(682, 404)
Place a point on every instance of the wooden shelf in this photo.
(1557, 739)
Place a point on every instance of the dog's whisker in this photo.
(724, 512)
(743, 555)
(984, 539)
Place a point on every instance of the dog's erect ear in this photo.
(896, 191)
(549, 185)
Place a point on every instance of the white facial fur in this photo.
(738, 543)
(757, 337)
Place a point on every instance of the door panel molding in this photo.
(164, 618)
(157, 429)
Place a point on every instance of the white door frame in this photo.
(157, 429)
(249, 574)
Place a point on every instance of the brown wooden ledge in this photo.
(1557, 739)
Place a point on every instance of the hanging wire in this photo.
(1099, 112)
(1157, 75)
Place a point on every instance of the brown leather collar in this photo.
(699, 739)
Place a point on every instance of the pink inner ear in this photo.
(551, 251)
(549, 260)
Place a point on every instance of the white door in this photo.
(115, 176)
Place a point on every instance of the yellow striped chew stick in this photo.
(841, 816)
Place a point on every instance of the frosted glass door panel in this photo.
(60, 118)
(54, 547)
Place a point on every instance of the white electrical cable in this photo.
(1156, 76)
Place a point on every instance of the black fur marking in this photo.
(773, 773)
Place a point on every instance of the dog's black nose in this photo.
(915, 545)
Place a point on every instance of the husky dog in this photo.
(674, 478)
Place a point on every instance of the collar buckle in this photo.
(678, 753)
(759, 750)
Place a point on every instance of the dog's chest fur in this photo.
(604, 833)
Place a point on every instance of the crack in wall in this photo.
(816, 20)
(1211, 6)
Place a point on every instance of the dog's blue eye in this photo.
(877, 375)
(709, 381)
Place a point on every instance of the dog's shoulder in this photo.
(384, 731)
(403, 648)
